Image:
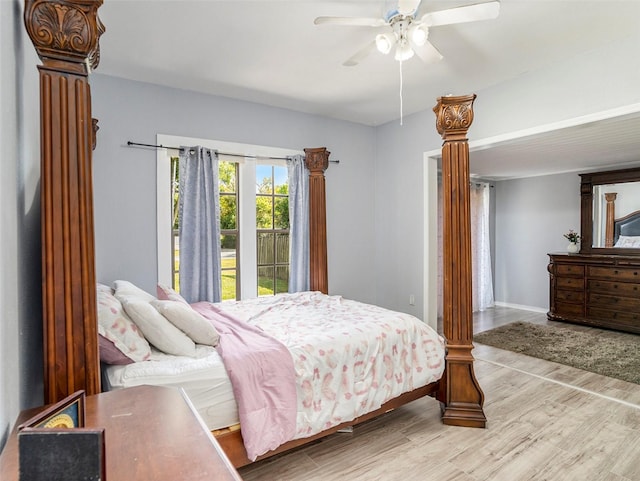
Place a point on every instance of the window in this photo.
(272, 229)
(254, 217)
(229, 232)
(175, 235)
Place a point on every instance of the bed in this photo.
(65, 34)
(342, 359)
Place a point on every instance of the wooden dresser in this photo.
(596, 290)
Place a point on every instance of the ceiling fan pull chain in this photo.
(400, 62)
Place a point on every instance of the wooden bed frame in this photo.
(66, 35)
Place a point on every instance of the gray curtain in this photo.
(298, 224)
(200, 278)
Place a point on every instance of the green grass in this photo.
(228, 277)
(265, 286)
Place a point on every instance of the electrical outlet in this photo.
(412, 300)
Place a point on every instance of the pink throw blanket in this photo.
(263, 379)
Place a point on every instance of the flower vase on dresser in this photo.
(573, 238)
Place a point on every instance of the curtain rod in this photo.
(136, 144)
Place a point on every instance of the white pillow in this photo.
(126, 288)
(166, 293)
(157, 329)
(181, 315)
(629, 241)
(115, 326)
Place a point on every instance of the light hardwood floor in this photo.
(546, 421)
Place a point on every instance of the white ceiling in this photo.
(270, 52)
(608, 143)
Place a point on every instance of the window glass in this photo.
(272, 229)
(229, 265)
(264, 211)
(229, 230)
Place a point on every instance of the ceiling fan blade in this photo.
(428, 53)
(469, 13)
(351, 21)
(360, 55)
(408, 7)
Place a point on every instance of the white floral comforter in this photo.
(349, 357)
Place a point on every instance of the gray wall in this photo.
(399, 209)
(20, 291)
(531, 217)
(125, 178)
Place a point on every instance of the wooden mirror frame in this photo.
(586, 208)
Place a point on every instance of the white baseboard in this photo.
(542, 310)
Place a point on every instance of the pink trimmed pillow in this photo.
(116, 327)
(166, 293)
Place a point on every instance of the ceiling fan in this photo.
(407, 31)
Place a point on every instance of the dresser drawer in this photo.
(565, 309)
(569, 283)
(625, 318)
(569, 270)
(613, 302)
(570, 296)
(614, 273)
(626, 289)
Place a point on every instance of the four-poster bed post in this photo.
(65, 35)
(317, 161)
(464, 398)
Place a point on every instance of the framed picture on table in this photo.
(55, 445)
(67, 413)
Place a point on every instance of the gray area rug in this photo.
(610, 353)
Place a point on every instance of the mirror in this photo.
(610, 212)
(611, 202)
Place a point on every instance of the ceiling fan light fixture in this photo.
(403, 52)
(384, 42)
(418, 34)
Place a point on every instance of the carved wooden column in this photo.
(317, 161)
(65, 35)
(610, 197)
(463, 398)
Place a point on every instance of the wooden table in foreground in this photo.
(151, 433)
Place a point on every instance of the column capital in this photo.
(454, 116)
(65, 33)
(317, 159)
